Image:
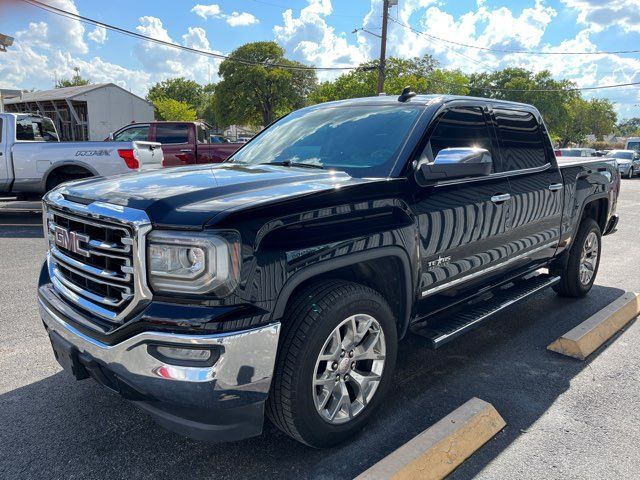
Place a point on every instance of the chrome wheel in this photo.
(589, 258)
(349, 368)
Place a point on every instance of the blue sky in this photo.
(319, 32)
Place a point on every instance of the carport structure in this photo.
(88, 112)
(69, 115)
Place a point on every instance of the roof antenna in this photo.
(406, 94)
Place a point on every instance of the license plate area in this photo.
(67, 356)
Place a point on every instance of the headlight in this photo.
(196, 263)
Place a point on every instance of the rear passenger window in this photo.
(521, 139)
(172, 133)
(456, 128)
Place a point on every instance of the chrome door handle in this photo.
(554, 187)
(186, 150)
(501, 198)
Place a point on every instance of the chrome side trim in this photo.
(489, 269)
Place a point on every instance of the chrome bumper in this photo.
(221, 402)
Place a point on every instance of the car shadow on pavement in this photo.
(67, 428)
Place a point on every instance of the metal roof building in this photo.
(88, 112)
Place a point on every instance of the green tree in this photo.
(551, 97)
(170, 109)
(584, 117)
(257, 94)
(421, 74)
(75, 81)
(601, 117)
(179, 89)
(207, 109)
(629, 127)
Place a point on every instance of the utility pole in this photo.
(383, 44)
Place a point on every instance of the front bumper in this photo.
(220, 402)
(624, 168)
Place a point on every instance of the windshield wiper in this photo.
(290, 163)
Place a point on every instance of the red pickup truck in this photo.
(183, 143)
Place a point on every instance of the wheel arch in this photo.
(68, 166)
(361, 267)
(597, 208)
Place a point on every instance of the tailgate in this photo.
(149, 154)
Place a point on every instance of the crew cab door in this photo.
(178, 142)
(462, 222)
(536, 185)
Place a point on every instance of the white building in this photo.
(88, 112)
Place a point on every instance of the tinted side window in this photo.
(48, 130)
(459, 127)
(522, 145)
(172, 133)
(132, 134)
(24, 129)
(203, 135)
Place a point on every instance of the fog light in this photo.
(188, 354)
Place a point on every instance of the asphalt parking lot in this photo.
(566, 419)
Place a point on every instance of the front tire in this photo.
(630, 174)
(584, 259)
(335, 363)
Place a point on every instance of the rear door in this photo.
(527, 160)
(462, 222)
(178, 142)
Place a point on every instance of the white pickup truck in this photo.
(33, 160)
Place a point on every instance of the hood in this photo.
(189, 197)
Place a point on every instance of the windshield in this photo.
(633, 145)
(621, 155)
(362, 141)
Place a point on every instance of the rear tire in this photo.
(309, 384)
(584, 259)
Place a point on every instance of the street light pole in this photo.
(383, 45)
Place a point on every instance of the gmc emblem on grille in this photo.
(71, 240)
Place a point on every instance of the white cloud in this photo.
(163, 61)
(66, 33)
(236, 19)
(601, 14)
(241, 19)
(206, 11)
(309, 39)
(98, 34)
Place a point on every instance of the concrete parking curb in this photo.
(587, 337)
(440, 449)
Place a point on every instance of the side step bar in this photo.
(445, 327)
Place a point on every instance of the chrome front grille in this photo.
(104, 271)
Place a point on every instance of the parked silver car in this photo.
(628, 162)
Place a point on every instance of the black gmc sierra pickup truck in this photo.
(282, 280)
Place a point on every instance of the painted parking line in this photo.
(441, 448)
(587, 337)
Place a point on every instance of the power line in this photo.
(539, 90)
(504, 51)
(80, 18)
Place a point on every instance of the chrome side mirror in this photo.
(451, 163)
